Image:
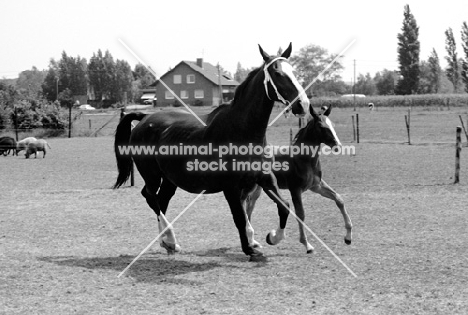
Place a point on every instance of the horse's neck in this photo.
(307, 140)
(254, 108)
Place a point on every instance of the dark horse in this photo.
(304, 173)
(243, 122)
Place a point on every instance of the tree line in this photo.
(414, 76)
(427, 76)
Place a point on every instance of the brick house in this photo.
(195, 83)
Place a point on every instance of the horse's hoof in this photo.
(256, 244)
(268, 238)
(347, 242)
(257, 258)
(310, 251)
(170, 248)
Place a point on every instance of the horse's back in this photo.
(166, 126)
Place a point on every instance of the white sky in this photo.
(163, 33)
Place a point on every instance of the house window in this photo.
(190, 78)
(177, 79)
(199, 94)
(169, 95)
(183, 94)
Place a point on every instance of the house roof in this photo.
(211, 73)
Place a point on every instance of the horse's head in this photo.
(281, 83)
(320, 129)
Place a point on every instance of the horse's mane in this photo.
(216, 111)
(300, 134)
(240, 89)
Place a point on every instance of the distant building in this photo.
(195, 83)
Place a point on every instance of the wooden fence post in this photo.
(357, 128)
(463, 125)
(457, 156)
(408, 124)
(354, 129)
(69, 120)
(16, 123)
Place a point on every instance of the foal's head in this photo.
(281, 84)
(320, 129)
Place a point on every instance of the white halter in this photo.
(269, 79)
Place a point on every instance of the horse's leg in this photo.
(168, 239)
(270, 186)
(328, 192)
(296, 195)
(233, 197)
(248, 200)
(165, 194)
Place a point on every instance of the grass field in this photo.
(65, 235)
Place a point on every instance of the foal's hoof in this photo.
(257, 258)
(268, 239)
(170, 248)
(347, 242)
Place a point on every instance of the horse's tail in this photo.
(122, 138)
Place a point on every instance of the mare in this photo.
(305, 173)
(243, 122)
(7, 144)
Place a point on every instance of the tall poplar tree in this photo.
(464, 72)
(408, 54)
(435, 71)
(453, 70)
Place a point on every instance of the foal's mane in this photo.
(303, 131)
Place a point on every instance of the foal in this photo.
(305, 173)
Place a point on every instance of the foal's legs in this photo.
(296, 195)
(233, 197)
(328, 192)
(270, 186)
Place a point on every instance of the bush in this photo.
(176, 103)
(198, 103)
(39, 115)
(4, 117)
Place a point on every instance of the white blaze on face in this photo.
(288, 70)
(330, 125)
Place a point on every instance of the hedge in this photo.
(395, 100)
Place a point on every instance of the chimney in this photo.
(200, 62)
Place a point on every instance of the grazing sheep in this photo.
(23, 144)
(38, 145)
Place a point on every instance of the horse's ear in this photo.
(265, 56)
(328, 111)
(313, 112)
(287, 52)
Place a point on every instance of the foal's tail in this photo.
(122, 138)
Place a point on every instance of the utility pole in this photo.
(220, 85)
(354, 86)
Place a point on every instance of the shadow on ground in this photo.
(154, 268)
